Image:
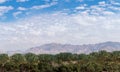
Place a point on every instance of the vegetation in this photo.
(64, 62)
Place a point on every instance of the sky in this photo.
(29, 23)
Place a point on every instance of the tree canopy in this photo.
(101, 61)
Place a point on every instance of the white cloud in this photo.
(59, 28)
(5, 9)
(103, 8)
(80, 7)
(22, 8)
(44, 6)
(102, 3)
(37, 7)
(22, 0)
(115, 2)
(15, 14)
(2, 1)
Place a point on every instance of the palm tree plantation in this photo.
(101, 61)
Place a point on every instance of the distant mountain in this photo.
(54, 48)
(13, 52)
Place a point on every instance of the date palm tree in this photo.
(4, 58)
(32, 61)
(18, 59)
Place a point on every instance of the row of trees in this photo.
(64, 62)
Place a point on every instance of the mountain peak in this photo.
(53, 48)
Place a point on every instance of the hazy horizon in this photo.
(29, 23)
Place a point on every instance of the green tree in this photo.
(3, 60)
(18, 60)
(32, 61)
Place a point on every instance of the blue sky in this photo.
(29, 23)
(14, 9)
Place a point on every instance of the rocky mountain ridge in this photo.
(54, 48)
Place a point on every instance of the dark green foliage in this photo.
(18, 59)
(64, 62)
(46, 58)
(45, 67)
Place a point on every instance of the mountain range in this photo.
(54, 48)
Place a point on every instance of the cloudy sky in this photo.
(29, 23)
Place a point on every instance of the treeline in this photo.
(101, 61)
